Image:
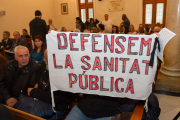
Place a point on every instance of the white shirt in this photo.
(107, 24)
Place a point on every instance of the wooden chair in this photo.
(2, 51)
(20, 115)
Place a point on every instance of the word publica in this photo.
(94, 80)
(63, 43)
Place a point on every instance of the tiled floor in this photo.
(170, 106)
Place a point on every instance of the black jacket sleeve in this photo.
(4, 93)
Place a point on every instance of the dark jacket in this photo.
(3, 61)
(25, 36)
(7, 78)
(9, 44)
(20, 42)
(126, 22)
(90, 25)
(62, 99)
(38, 27)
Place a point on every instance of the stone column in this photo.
(171, 67)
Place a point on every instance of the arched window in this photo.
(154, 11)
(86, 9)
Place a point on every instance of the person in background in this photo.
(43, 91)
(108, 23)
(121, 28)
(132, 30)
(159, 24)
(3, 61)
(25, 34)
(92, 23)
(147, 29)
(76, 30)
(125, 29)
(115, 29)
(6, 41)
(18, 41)
(51, 26)
(38, 26)
(79, 24)
(94, 30)
(141, 31)
(37, 54)
(87, 31)
(101, 28)
(126, 20)
(17, 76)
(63, 29)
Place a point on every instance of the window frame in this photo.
(85, 6)
(154, 4)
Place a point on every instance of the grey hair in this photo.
(20, 47)
(7, 32)
(76, 30)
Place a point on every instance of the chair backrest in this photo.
(2, 51)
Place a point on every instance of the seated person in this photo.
(3, 61)
(37, 54)
(115, 29)
(92, 23)
(18, 75)
(6, 41)
(95, 107)
(63, 29)
(101, 28)
(94, 30)
(25, 34)
(62, 99)
(19, 41)
(141, 31)
(125, 29)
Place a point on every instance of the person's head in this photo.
(141, 25)
(87, 31)
(106, 31)
(158, 24)
(101, 27)
(157, 29)
(76, 30)
(124, 17)
(91, 20)
(21, 55)
(6, 35)
(131, 28)
(125, 29)
(106, 16)
(24, 31)
(45, 57)
(115, 29)
(141, 30)
(38, 43)
(17, 35)
(94, 30)
(78, 20)
(63, 29)
(50, 21)
(38, 13)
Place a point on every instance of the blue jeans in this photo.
(77, 114)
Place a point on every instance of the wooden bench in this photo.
(2, 51)
(20, 115)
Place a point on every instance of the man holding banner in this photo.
(110, 67)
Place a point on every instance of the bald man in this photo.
(18, 41)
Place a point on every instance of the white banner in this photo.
(114, 65)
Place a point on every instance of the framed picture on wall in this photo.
(64, 8)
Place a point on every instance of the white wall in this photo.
(66, 20)
(20, 12)
(133, 10)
